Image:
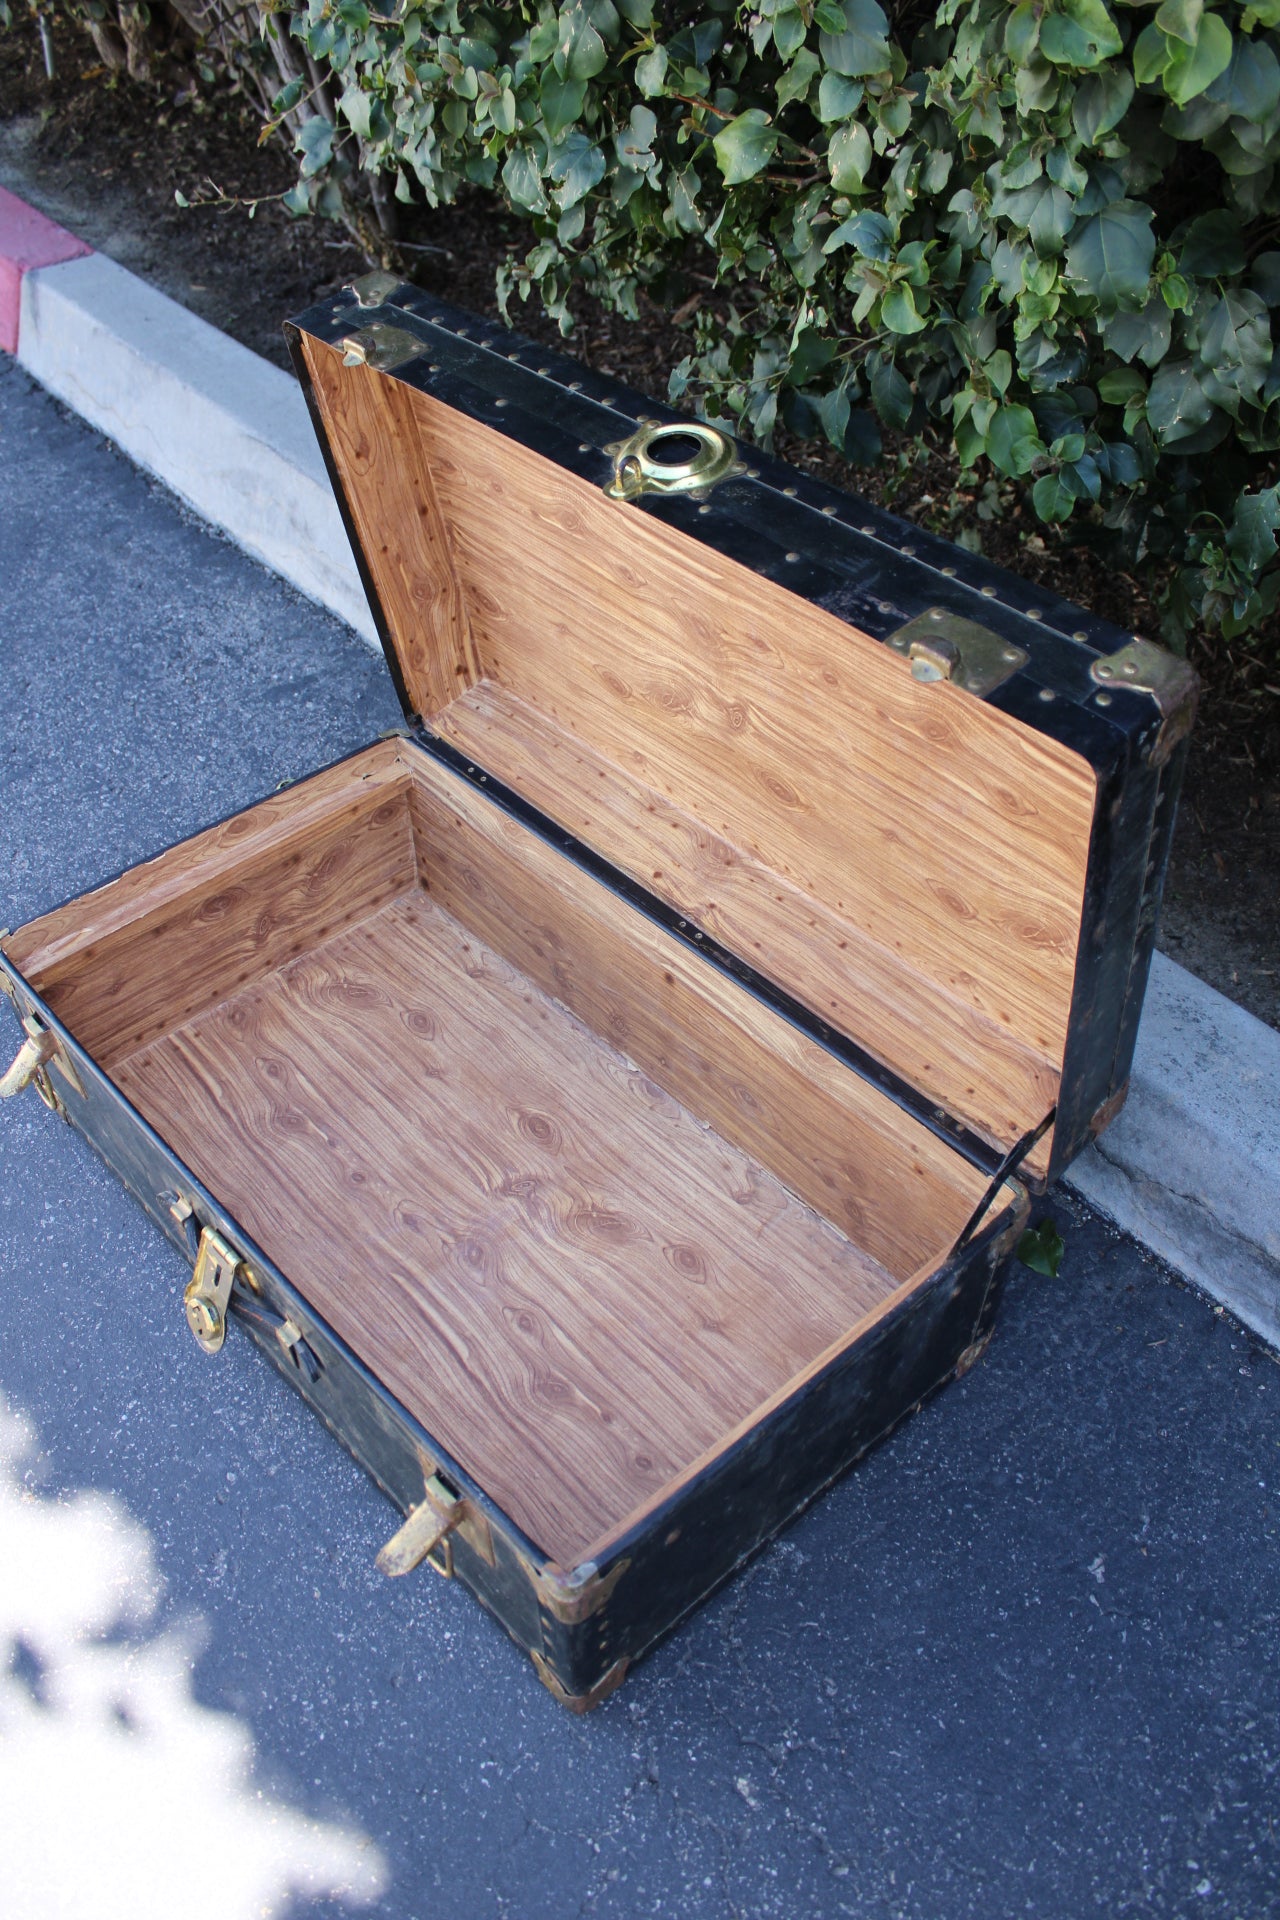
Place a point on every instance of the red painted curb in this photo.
(27, 239)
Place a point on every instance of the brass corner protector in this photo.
(581, 1702)
(1144, 667)
(1107, 1112)
(971, 1355)
(573, 1597)
(941, 645)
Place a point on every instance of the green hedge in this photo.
(1047, 232)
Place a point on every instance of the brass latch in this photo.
(207, 1298)
(38, 1052)
(373, 289)
(941, 645)
(425, 1533)
(381, 347)
(29, 1065)
(688, 457)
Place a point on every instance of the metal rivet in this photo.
(1047, 693)
(1034, 613)
(707, 510)
(575, 386)
(793, 557)
(1103, 699)
(868, 530)
(790, 492)
(753, 473)
(950, 572)
(1011, 654)
(544, 372)
(499, 403)
(906, 549)
(1079, 634)
(1128, 670)
(584, 446)
(829, 511)
(513, 356)
(434, 367)
(462, 333)
(988, 593)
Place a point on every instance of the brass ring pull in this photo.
(33, 1056)
(686, 456)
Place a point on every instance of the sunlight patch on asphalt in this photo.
(121, 1796)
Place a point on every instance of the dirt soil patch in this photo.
(105, 157)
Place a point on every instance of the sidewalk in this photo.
(1023, 1661)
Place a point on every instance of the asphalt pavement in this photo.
(1024, 1661)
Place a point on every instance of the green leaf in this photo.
(1177, 404)
(315, 144)
(862, 46)
(502, 111)
(1212, 247)
(898, 311)
(796, 81)
(651, 71)
(849, 156)
(580, 52)
(745, 147)
(833, 411)
(1192, 69)
(1101, 103)
(838, 97)
(1252, 538)
(869, 234)
(1041, 1248)
(1120, 385)
(788, 32)
(576, 167)
(1082, 34)
(890, 394)
(523, 182)
(1013, 443)
(288, 97)
(1180, 19)
(1021, 32)
(1111, 255)
(561, 101)
(1053, 498)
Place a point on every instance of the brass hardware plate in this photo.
(425, 1534)
(1144, 667)
(381, 347)
(208, 1292)
(29, 1064)
(373, 289)
(639, 466)
(941, 645)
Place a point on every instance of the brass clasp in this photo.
(207, 1297)
(687, 457)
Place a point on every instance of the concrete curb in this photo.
(225, 430)
(27, 240)
(1191, 1167)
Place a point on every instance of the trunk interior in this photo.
(583, 1204)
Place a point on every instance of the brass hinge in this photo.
(941, 645)
(1143, 667)
(207, 1297)
(381, 347)
(664, 458)
(373, 289)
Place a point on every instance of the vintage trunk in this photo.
(603, 1099)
